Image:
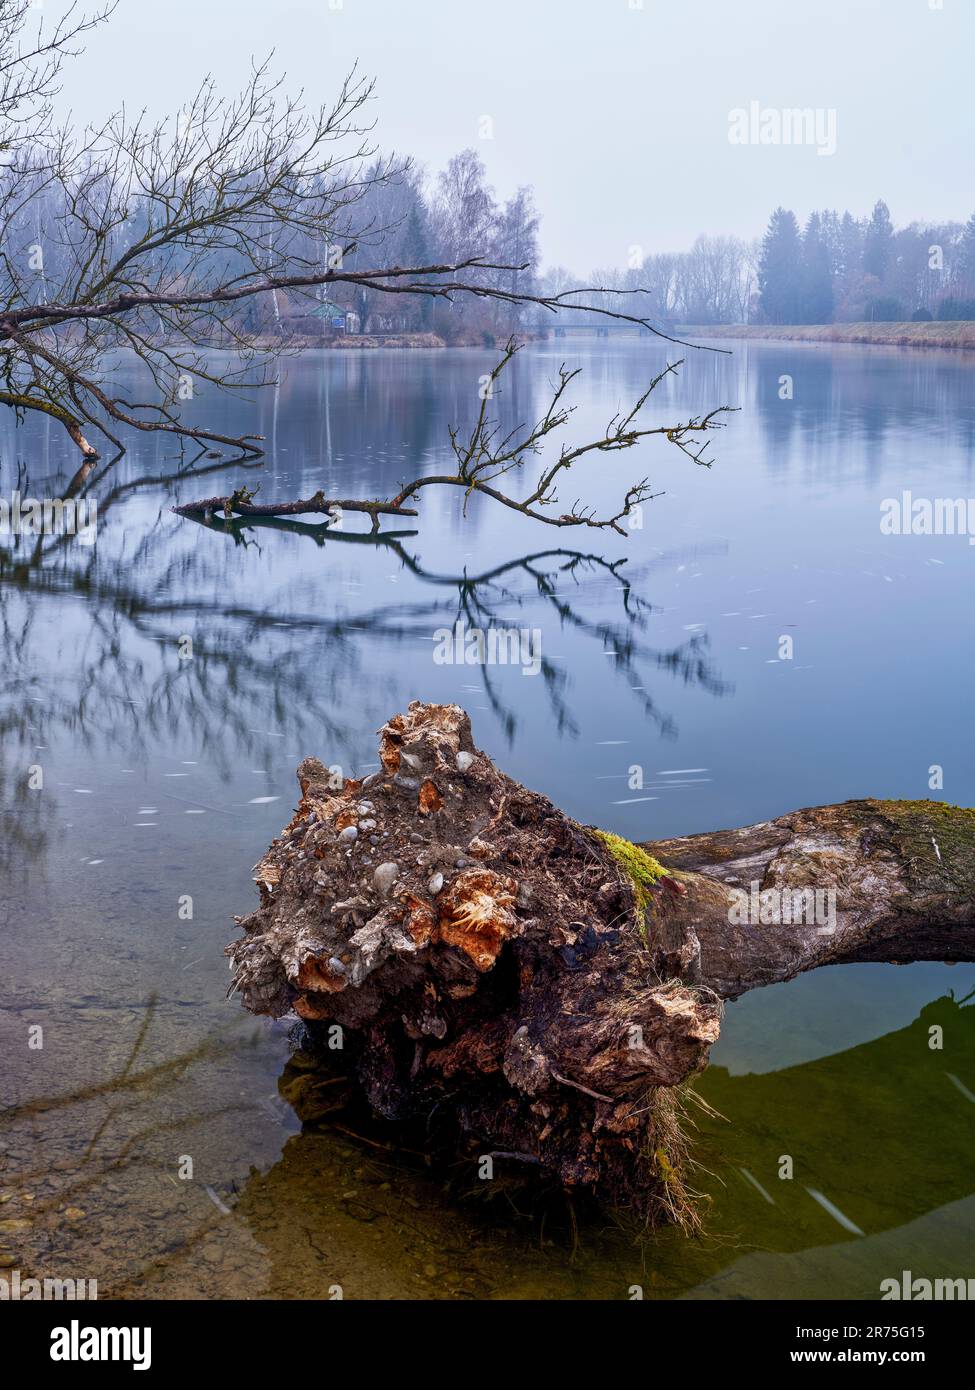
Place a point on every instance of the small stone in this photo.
(384, 877)
(349, 834)
(367, 825)
(406, 784)
(410, 759)
(463, 863)
(371, 780)
(416, 839)
(365, 807)
(336, 966)
(463, 761)
(74, 1214)
(435, 885)
(374, 839)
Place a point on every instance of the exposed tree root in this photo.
(536, 990)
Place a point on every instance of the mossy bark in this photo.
(902, 876)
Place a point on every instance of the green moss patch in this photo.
(935, 841)
(641, 868)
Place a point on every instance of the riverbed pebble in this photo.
(384, 877)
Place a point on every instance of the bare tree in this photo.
(158, 233)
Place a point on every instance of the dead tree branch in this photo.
(485, 456)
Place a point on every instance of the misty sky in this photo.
(618, 116)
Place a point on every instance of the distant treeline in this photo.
(837, 268)
(840, 269)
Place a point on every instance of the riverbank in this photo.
(364, 342)
(923, 335)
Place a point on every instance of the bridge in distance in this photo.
(600, 330)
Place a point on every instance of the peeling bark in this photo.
(88, 451)
(531, 991)
(21, 401)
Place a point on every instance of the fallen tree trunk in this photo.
(896, 878)
(538, 988)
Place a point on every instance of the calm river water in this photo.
(149, 1142)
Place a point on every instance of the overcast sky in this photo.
(617, 114)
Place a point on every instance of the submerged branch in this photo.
(241, 503)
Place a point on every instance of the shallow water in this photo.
(166, 778)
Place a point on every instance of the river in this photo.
(146, 1135)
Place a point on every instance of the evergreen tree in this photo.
(966, 255)
(415, 250)
(816, 283)
(851, 249)
(779, 268)
(832, 233)
(878, 241)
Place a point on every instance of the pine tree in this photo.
(851, 249)
(833, 241)
(816, 284)
(415, 250)
(878, 241)
(779, 268)
(966, 256)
